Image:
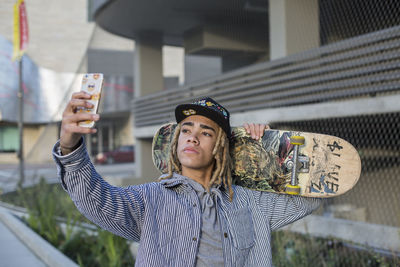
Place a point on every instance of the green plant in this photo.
(47, 205)
(291, 249)
(112, 250)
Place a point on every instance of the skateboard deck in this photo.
(327, 166)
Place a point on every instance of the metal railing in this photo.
(358, 67)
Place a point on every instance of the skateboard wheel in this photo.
(292, 189)
(297, 140)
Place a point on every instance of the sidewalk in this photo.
(20, 246)
(13, 251)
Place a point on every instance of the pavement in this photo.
(13, 251)
(21, 246)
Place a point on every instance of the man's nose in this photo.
(193, 138)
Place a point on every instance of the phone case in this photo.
(92, 83)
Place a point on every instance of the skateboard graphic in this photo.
(297, 163)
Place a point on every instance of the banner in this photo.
(21, 35)
(23, 27)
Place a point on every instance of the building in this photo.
(62, 46)
(326, 66)
(57, 44)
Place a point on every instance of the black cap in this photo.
(206, 107)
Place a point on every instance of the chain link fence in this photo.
(374, 204)
(376, 137)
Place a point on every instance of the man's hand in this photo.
(71, 132)
(256, 130)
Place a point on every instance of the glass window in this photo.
(9, 139)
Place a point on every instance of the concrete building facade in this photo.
(62, 46)
(294, 64)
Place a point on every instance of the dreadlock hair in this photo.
(222, 172)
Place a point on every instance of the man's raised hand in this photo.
(71, 132)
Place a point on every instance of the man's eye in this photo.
(185, 130)
(206, 134)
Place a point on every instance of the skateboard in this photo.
(287, 162)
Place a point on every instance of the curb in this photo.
(40, 247)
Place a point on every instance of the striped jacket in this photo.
(166, 218)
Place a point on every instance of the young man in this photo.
(193, 216)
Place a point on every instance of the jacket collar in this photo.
(178, 179)
(175, 180)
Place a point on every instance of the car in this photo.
(124, 153)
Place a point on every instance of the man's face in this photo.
(196, 142)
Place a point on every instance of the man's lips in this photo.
(190, 150)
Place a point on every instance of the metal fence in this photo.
(359, 58)
(375, 199)
(368, 216)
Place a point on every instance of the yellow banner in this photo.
(20, 31)
(16, 41)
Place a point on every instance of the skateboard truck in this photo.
(293, 188)
(305, 164)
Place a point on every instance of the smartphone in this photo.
(92, 83)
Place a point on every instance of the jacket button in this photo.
(226, 235)
(194, 205)
(194, 238)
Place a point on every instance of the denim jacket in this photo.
(165, 216)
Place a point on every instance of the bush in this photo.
(291, 249)
(47, 206)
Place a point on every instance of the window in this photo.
(9, 139)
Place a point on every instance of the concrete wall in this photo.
(110, 62)
(58, 31)
(40, 141)
(124, 133)
(293, 26)
(8, 158)
(368, 234)
(198, 68)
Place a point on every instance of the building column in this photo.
(100, 140)
(148, 79)
(294, 26)
(111, 137)
(88, 141)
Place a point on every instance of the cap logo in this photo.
(214, 106)
(189, 112)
